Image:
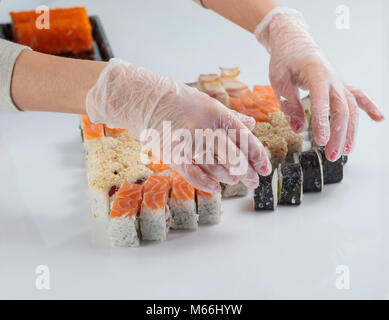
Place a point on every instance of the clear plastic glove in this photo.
(297, 62)
(129, 97)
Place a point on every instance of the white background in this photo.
(290, 253)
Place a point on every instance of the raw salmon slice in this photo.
(90, 130)
(127, 201)
(113, 132)
(156, 192)
(158, 166)
(204, 194)
(251, 110)
(181, 190)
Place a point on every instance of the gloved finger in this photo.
(249, 122)
(352, 122)
(366, 104)
(220, 173)
(229, 156)
(288, 96)
(248, 144)
(338, 124)
(197, 178)
(320, 109)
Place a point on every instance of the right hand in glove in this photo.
(129, 97)
(298, 62)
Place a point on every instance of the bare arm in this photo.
(245, 13)
(43, 82)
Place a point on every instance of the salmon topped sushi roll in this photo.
(109, 132)
(208, 207)
(70, 30)
(160, 168)
(182, 204)
(124, 226)
(90, 132)
(155, 218)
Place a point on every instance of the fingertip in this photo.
(297, 125)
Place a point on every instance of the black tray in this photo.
(101, 48)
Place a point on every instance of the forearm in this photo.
(43, 82)
(245, 13)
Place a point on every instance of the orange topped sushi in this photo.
(127, 201)
(257, 104)
(155, 216)
(124, 226)
(109, 132)
(182, 204)
(90, 132)
(208, 207)
(69, 30)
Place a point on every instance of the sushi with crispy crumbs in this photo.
(90, 132)
(294, 140)
(311, 164)
(110, 163)
(332, 171)
(155, 217)
(262, 129)
(266, 194)
(182, 204)
(208, 207)
(277, 146)
(278, 119)
(235, 190)
(290, 184)
(123, 223)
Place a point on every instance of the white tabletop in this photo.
(289, 253)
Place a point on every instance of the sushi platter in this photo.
(137, 201)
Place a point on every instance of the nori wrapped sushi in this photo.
(332, 171)
(312, 168)
(345, 159)
(266, 195)
(290, 183)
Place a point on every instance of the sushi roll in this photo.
(236, 190)
(290, 183)
(182, 204)
(159, 168)
(155, 218)
(277, 146)
(231, 83)
(332, 171)
(90, 132)
(312, 168)
(124, 226)
(109, 132)
(212, 85)
(110, 163)
(70, 31)
(266, 195)
(345, 159)
(208, 207)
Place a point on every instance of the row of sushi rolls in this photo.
(143, 202)
(146, 201)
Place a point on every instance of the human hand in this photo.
(298, 62)
(129, 97)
